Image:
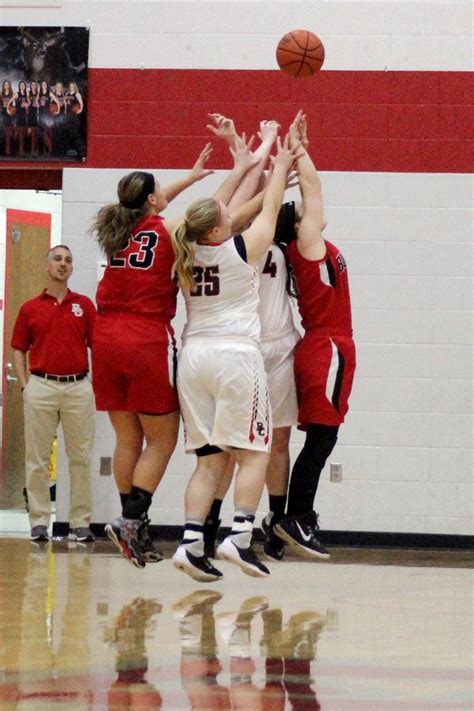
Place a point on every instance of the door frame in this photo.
(38, 219)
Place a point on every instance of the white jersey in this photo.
(224, 304)
(276, 318)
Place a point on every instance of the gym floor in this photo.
(368, 630)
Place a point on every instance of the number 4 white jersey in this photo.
(224, 303)
(274, 308)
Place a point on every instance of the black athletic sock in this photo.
(214, 511)
(277, 507)
(138, 503)
(319, 443)
(123, 500)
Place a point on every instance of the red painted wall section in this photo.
(359, 121)
(27, 179)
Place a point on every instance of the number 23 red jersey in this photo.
(138, 279)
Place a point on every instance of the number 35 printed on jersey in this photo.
(207, 281)
(143, 258)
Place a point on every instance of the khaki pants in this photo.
(47, 402)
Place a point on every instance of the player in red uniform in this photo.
(134, 349)
(324, 358)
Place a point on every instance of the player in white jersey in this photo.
(277, 341)
(221, 375)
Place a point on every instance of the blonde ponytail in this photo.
(201, 216)
(184, 252)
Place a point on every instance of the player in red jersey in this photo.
(133, 352)
(324, 358)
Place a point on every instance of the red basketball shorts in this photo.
(324, 372)
(134, 374)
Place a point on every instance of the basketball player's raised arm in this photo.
(244, 159)
(243, 215)
(197, 172)
(311, 242)
(259, 235)
(225, 129)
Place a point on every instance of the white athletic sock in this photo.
(193, 539)
(242, 528)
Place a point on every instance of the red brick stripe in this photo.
(359, 121)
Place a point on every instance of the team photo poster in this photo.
(43, 75)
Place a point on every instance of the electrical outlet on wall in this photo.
(335, 473)
(105, 466)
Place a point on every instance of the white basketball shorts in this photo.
(223, 395)
(279, 363)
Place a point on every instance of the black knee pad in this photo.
(208, 449)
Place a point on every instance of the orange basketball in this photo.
(76, 108)
(11, 110)
(53, 109)
(300, 53)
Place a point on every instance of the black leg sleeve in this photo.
(319, 443)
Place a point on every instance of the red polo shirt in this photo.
(57, 335)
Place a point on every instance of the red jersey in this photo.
(322, 287)
(56, 334)
(138, 279)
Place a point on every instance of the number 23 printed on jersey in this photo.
(143, 258)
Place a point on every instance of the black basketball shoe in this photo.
(273, 546)
(300, 532)
(245, 558)
(150, 552)
(197, 566)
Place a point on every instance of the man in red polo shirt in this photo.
(56, 329)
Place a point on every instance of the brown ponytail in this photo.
(115, 222)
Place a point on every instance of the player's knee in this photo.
(320, 442)
(281, 440)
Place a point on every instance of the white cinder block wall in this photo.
(406, 446)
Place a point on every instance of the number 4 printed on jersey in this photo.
(270, 266)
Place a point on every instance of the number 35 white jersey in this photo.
(224, 303)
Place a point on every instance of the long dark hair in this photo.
(11, 92)
(115, 222)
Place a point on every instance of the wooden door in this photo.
(28, 240)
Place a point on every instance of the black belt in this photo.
(59, 378)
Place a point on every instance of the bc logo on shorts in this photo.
(77, 310)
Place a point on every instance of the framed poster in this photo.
(43, 78)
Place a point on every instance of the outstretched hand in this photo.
(287, 155)
(268, 130)
(242, 152)
(299, 128)
(223, 127)
(198, 171)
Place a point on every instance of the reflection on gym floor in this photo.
(82, 629)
